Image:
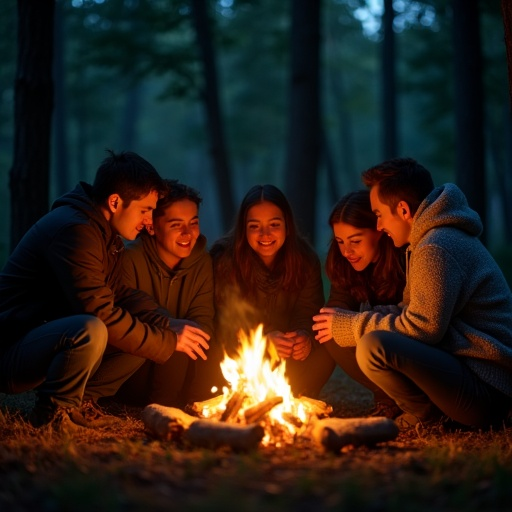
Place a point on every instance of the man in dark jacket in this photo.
(75, 333)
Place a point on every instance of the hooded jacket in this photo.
(186, 292)
(455, 297)
(68, 264)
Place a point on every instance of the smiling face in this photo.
(176, 231)
(129, 221)
(395, 223)
(265, 230)
(359, 245)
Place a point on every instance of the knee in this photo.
(368, 347)
(94, 333)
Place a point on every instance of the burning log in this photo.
(335, 433)
(314, 406)
(257, 412)
(209, 404)
(212, 434)
(233, 406)
(166, 423)
(292, 419)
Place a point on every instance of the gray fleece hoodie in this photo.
(455, 297)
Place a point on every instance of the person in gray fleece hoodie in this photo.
(446, 350)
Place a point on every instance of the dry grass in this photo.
(127, 470)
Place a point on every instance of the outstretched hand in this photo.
(191, 339)
(323, 324)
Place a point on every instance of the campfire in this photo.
(258, 407)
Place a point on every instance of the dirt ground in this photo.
(127, 469)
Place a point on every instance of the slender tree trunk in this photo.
(62, 175)
(304, 133)
(213, 112)
(130, 118)
(506, 11)
(469, 100)
(389, 108)
(33, 103)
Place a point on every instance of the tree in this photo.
(469, 104)
(210, 96)
(29, 175)
(304, 133)
(389, 117)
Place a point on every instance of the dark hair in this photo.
(234, 257)
(175, 191)
(126, 174)
(380, 283)
(400, 179)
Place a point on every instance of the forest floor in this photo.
(128, 470)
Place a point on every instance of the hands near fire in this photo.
(295, 344)
(191, 338)
(323, 324)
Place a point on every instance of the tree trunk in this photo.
(33, 102)
(469, 99)
(389, 117)
(304, 133)
(506, 11)
(213, 113)
(62, 177)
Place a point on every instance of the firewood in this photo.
(292, 419)
(233, 406)
(214, 434)
(167, 423)
(210, 403)
(335, 433)
(257, 412)
(314, 406)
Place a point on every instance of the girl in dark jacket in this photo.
(366, 271)
(265, 272)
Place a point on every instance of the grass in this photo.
(126, 470)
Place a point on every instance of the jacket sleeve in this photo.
(342, 298)
(435, 281)
(83, 267)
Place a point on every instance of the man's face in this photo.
(391, 222)
(129, 221)
(176, 231)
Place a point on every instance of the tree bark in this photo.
(33, 103)
(469, 110)
(304, 133)
(213, 113)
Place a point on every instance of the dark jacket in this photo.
(186, 292)
(68, 264)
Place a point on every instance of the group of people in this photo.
(115, 293)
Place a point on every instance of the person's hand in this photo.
(282, 342)
(191, 339)
(302, 344)
(323, 324)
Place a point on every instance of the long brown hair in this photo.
(234, 259)
(380, 283)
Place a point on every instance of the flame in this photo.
(257, 377)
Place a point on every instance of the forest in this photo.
(225, 94)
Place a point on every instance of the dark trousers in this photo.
(56, 358)
(425, 380)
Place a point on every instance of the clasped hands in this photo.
(294, 344)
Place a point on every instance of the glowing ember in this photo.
(259, 391)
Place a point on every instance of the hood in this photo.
(445, 206)
(185, 264)
(80, 198)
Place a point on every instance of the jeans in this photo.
(57, 358)
(427, 381)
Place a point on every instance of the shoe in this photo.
(386, 409)
(407, 420)
(91, 415)
(58, 419)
